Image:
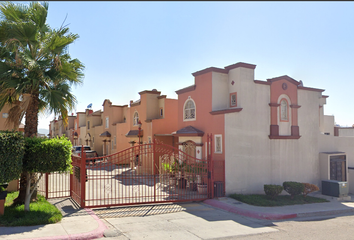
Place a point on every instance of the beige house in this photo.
(117, 127)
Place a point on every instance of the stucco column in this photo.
(104, 147)
(294, 120)
(274, 127)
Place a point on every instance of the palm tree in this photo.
(36, 70)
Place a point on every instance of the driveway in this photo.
(178, 221)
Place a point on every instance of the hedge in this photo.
(47, 155)
(293, 188)
(272, 190)
(11, 154)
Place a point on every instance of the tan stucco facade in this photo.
(109, 131)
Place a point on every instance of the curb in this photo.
(97, 233)
(325, 213)
(251, 214)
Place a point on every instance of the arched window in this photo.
(189, 110)
(136, 118)
(284, 110)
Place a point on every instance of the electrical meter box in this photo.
(335, 188)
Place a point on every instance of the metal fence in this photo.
(146, 173)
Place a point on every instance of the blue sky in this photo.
(128, 47)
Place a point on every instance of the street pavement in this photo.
(211, 219)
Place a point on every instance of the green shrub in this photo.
(293, 188)
(11, 154)
(47, 155)
(272, 190)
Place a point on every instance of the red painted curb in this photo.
(252, 214)
(97, 233)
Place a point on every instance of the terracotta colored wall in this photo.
(204, 120)
(169, 123)
(275, 91)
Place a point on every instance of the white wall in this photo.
(252, 159)
(242, 78)
(346, 132)
(328, 124)
(220, 92)
(330, 143)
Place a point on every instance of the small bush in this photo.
(293, 188)
(47, 155)
(309, 188)
(11, 155)
(272, 190)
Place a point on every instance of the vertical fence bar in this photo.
(210, 167)
(154, 167)
(83, 176)
(71, 182)
(46, 185)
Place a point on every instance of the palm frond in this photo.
(34, 60)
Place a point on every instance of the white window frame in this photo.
(135, 118)
(107, 122)
(75, 125)
(215, 137)
(184, 110)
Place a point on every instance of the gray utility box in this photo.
(335, 188)
(218, 189)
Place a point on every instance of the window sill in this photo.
(283, 137)
(235, 109)
(190, 119)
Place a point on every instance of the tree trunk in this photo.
(28, 190)
(31, 124)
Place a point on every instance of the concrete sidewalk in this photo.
(334, 206)
(76, 224)
(84, 224)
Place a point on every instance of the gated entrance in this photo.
(146, 173)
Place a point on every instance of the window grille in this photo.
(189, 110)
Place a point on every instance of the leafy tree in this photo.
(45, 156)
(36, 70)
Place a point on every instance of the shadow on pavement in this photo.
(196, 209)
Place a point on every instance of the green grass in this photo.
(41, 212)
(282, 200)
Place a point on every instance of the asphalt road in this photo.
(339, 227)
